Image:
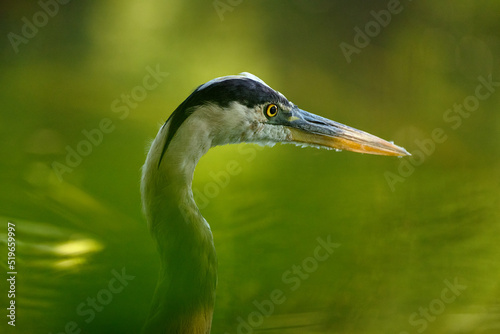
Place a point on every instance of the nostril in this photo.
(317, 122)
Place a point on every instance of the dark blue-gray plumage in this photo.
(247, 91)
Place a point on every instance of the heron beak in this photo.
(310, 129)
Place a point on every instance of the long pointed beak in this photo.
(310, 129)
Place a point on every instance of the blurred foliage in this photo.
(397, 246)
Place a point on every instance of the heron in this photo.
(226, 110)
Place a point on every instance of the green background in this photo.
(399, 241)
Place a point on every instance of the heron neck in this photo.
(185, 293)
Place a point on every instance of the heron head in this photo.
(243, 108)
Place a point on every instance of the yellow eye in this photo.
(271, 110)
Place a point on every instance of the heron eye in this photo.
(271, 110)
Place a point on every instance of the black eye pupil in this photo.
(272, 110)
